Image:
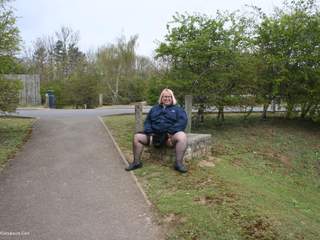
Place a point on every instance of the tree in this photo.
(139, 83)
(288, 45)
(57, 59)
(66, 53)
(206, 56)
(9, 37)
(9, 45)
(40, 59)
(116, 64)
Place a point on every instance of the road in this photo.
(68, 182)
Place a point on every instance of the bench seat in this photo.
(199, 145)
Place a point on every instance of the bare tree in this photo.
(116, 65)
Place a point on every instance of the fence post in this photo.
(47, 101)
(273, 104)
(138, 109)
(100, 99)
(188, 109)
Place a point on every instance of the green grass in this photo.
(13, 133)
(265, 183)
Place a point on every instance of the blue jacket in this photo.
(170, 119)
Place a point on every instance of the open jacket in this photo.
(170, 119)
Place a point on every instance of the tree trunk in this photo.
(313, 110)
(220, 113)
(264, 111)
(305, 108)
(200, 115)
(248, 114)
(289, 110)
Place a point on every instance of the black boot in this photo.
(180, 167)
(133, 166)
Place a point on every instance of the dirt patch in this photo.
(237, 162)
(218, 149)
(270, 132)
(259, 227)
(318, 166)
(204, 183)
(169, 223)
(174, 218)
(209, 200)
(205, 163)
(216, 200)
(316, 147)
(285, 160)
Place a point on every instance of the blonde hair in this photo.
(167, 90)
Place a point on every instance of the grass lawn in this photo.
(265, 183)
(13, 133)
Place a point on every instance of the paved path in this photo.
(68, 182)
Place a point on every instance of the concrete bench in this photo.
(199, 145)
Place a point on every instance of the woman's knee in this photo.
(140, 138)
(180, 136)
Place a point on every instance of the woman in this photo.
(164, 125)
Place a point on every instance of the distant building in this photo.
(30, 93)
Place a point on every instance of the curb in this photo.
(31, 108)
(126, 163)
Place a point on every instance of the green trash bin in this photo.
(51, 99)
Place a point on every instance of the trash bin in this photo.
(51, 99)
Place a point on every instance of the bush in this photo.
(9, 94)
(82, 89)
(58, 88)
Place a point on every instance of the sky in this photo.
(100, 22)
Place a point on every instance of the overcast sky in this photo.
(102, 21)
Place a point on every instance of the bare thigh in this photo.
(177, 137)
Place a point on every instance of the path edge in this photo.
(125, 162)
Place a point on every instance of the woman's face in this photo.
(166, 99)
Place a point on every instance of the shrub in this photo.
(9, 94)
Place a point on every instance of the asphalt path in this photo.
(68, 182)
